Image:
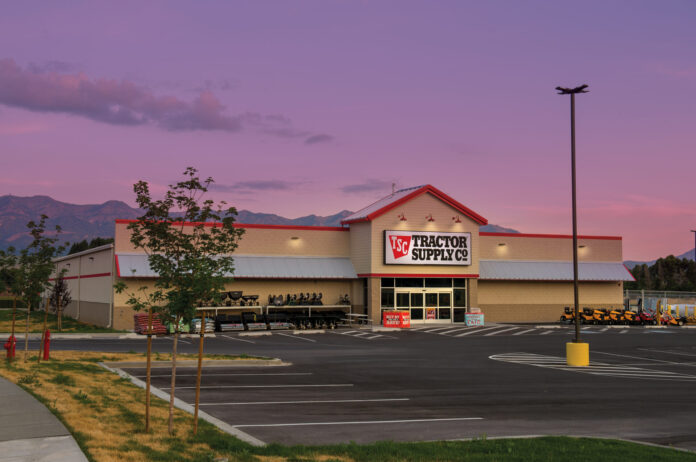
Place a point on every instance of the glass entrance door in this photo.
(426, 305)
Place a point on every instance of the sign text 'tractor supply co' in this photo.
(426, 248)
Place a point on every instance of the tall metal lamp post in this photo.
(577, 353)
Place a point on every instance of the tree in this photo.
(33, 267)
(59, 299)
(84, 245)
(189, 242)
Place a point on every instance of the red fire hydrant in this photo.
(10, 346)
(47, 345)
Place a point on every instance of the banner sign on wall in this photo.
(426, 248)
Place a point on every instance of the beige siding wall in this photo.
(415, 212)
(274, 241)
(361, 246)
(549, 248)
(533, 301)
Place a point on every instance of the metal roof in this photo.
(253, 266)
(363, 213)
(401, 196)
(552, 271)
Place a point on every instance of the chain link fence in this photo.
(679, 303)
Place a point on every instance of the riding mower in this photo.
(600, 316)
(669, 320)
(616, 316)
(645, 318)
(631, 317)
(568, 315)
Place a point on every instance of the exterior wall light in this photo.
(457, 219)
(429, 217)
(91, 258)
(402, 217)
(294, 238)
(501, 244)
(582, 246)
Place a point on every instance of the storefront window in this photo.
(417, 313)
(387, 282)
(408, 282)
(416, 300)
(438, 282)
(431, 299)
(445, 299)
(388, 298)
(402, 299)
(459, 298)
(460, 282)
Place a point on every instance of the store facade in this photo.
(416, 250)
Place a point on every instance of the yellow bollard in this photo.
(577, 354)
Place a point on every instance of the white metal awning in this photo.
(253, 266)
(552, 271)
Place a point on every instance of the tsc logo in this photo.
(400, 245)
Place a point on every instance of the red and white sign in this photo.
(426, 248)
(401, 319)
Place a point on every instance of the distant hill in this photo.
(630, 264)
(86, 222)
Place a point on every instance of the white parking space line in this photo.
(373, 337)
(451, 331)
(501, 331)
(604, 330)
(623, 331)
(325, 385)
(430, 331)
(227, 375)
(600, 369)
(524, 332)
(361, 334)
(238, 339)
(254, 403)
(547, 332)
(666, 351)
(360, 422)
(298, 337)
(476, 330)
(635, 357)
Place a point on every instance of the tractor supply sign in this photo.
(426, 248)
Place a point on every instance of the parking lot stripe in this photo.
(298, 338)
(668, 352)
(361, 334)
(476, 330)
(636, 357)
(524, 332)
(225, 375)
(308, 402)
(358, 422)
(500, 331)
(437, 329)
(269, 386)
(238, 339)
(547, 332)
(450, 331)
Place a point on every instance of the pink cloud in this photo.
(126, 103)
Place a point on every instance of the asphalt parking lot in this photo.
(435, 383)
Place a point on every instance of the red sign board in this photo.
(401, 319)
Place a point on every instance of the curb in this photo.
(227, 428)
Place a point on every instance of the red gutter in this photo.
(396, 275)
(551, 236)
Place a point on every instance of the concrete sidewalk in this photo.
(30, 432)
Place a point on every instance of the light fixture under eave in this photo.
(402, 217)
(294, 238)
(429, 217)
(501, 244)
(582, 246)
(456, 219)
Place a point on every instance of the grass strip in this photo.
(36, 319)
(105, 415)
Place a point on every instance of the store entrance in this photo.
(426, 305)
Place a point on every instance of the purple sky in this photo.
(306, 107)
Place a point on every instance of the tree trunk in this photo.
(26, 334)
(59, 311)
(43, 331)
(198, 375)
(147, 371)
(171, 393)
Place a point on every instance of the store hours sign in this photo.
(426, 248)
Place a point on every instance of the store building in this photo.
(417, 250)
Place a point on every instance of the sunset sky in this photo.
(301, 107)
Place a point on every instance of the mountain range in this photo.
(80, 222)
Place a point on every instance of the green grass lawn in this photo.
(36, 323)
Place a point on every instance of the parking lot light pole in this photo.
(577, 353)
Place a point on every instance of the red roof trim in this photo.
(425, 189)
(84, 276)
(551, 236)
(629, 272)
(429, 275)
(118, 269)
(257, 226)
